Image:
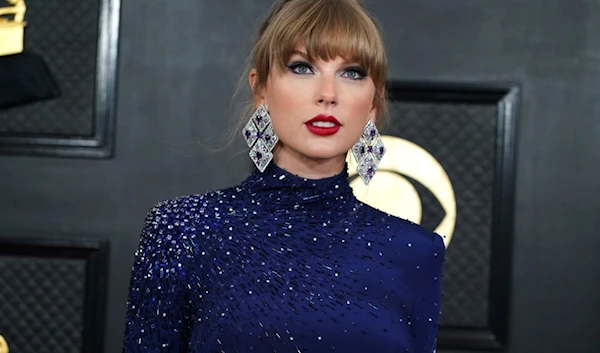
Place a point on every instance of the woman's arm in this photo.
(157, 305)
(426, 313)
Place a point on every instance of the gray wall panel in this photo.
(179, 62)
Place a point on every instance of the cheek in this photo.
(287, 105)
(281, 96)
(361, 111)
(364, 101)
(361, 107)
(281, 102)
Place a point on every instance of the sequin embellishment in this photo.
(282, 264)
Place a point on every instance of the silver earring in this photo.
(261, 138)
(368, 152)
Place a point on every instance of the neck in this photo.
(280, 190)
(306, 167)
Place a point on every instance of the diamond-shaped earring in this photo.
(260, 137)
(368, 152)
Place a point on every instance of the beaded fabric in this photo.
(282, 264)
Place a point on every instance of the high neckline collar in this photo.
(276, 187)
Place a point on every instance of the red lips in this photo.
(325, 125)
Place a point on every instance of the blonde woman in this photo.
(290, 260)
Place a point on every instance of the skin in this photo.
(304, 90)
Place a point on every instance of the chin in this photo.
(323, 157)
(315, 149)
(324, 152)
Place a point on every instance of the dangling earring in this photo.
(368, 152)
(260, 137)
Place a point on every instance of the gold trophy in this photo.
(12, 27)
(24, 75)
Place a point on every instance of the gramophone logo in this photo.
(30, 78)
(390, 190)
(12, 26)
(3, 345)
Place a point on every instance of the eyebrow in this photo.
(305, 56)
(301, 53)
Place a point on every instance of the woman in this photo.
(290, 260)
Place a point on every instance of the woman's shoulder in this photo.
(173, 227)
(413, 237)
(188, 212)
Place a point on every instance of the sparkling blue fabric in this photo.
(282, 264)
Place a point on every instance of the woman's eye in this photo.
(300, 68)
(355, 73)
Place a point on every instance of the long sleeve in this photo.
(157, 305)
(426, 313)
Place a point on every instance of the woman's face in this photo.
(318, 109)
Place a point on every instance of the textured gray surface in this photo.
(41, 304)
(461, 137)
(64, 34)
(179, 63)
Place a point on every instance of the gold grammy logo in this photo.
(12, 27)
(391, 192)
(3, 345)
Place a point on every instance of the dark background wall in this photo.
(179, 62)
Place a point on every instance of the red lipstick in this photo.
(323, 125)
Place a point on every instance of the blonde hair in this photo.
(326, 29)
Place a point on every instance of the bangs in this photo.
(327, 29)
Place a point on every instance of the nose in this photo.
(327, 92)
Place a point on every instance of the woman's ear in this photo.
(252, 79)
(380, 95)
(257, 94)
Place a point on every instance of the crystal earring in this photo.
(260, 137)
(368, 152)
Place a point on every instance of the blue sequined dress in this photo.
(282, 264)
